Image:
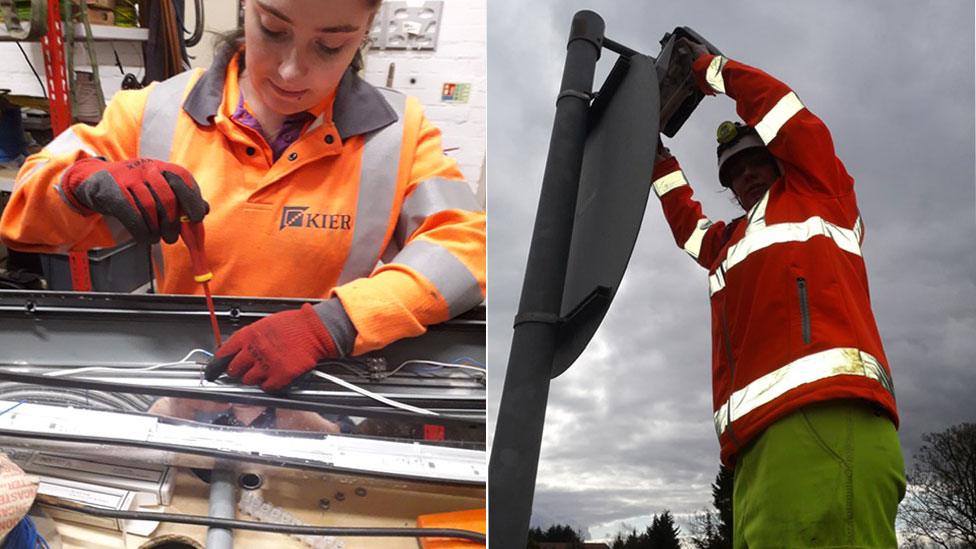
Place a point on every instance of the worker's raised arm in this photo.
(38, 218)
(794, 135)
(437, 268)
(693, 232)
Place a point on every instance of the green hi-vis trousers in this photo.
(827, 475)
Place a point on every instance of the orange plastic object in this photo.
(193, 236)
(474, 520)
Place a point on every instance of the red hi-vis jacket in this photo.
(791, 314)
(364, 206)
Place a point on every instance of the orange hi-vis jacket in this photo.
(791, 314)
(363, 206)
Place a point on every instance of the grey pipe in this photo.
(223, 504)
(518, 431)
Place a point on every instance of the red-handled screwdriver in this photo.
(192, 234)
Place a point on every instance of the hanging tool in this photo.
(192, 234)
(92, 57)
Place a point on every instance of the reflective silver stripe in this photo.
(825, 364)
(429, 197)
(21, 179)
(390, 252)
(377, 187)
(859, 230)
(451, 277)
(757, 215)
(160, 115)
(716, 281)
(713, 74)
(68, 142)
(669, 182)
(694, 242)
(785, 108)
(778, 233)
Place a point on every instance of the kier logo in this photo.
(299, 217)
(292, 216)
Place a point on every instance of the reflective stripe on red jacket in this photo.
(791, 313)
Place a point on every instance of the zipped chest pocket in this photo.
(801, 288)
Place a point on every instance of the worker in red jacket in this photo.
(803, 401)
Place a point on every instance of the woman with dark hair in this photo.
(309, 181)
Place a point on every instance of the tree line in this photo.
(939, 510)
(663, 533)
(711, 529)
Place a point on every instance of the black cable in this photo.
(33, 70)
(118, 62)
(152, 273)
(198, 22)
(274, 527)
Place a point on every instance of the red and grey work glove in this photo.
(277, 349)
(146, 196)
(663, 153)
(694, 49)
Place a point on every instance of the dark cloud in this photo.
(629, 430)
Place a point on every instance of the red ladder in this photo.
(55, 69)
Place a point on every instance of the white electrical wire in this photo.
(182, 361)
(373, 395)
(323, 375)
(435, 363)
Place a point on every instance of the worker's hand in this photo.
(146, 196)
(663, 153)
(697, 50)
(275, 350)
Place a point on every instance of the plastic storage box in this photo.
(123, 268)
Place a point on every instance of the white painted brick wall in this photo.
(16, 75)
(461, 57)
(220, 17)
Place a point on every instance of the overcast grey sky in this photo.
(629, 430)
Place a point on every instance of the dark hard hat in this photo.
(734, 138)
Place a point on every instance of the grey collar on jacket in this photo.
(359, 107)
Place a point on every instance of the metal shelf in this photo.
(52, 44)
(7, 179)
(101, 33)
(108, 33)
